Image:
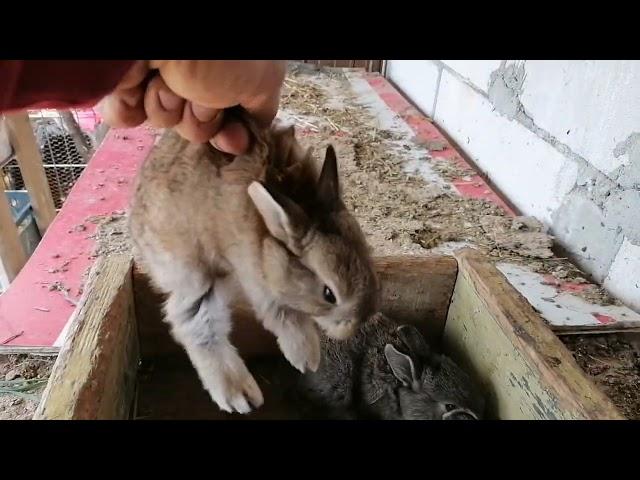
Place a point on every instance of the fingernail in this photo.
(233, 139)
(204, 114)
(169, 100)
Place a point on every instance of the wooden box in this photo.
(120, 362)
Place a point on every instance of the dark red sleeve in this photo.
(57, 83)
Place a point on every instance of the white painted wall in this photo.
(590, 106)
(418, 80)
(561, 139)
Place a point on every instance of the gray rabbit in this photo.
(388, 371)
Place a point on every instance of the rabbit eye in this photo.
(449, 407)
(328, 295)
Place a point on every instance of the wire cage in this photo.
(65, 150)
(368, 65)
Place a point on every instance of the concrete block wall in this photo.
(561, 139)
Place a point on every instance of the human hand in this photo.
(191, 96)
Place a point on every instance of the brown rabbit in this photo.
(210, 229)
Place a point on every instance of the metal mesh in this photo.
(63, 162)
(368, 65)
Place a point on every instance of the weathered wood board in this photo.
(12, 254)
(27, 151)
(417, 290)
(527, 372)
(95, 373)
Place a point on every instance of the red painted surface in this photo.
(562, 286)
(471, 186)
(88, 119)
(604, 319)
(28, 308)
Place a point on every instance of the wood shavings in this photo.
(402, 213)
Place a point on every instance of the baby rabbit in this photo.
(389, 372)
(211, 229)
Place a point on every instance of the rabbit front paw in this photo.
(231, 386)
(300, 344)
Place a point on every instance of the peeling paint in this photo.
(558, 306)
(505, 88)
(597, 199)
(628, 175)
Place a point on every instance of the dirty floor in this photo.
(613, 362)
(22, 380)
(399, 192)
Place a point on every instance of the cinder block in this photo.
(477, 72)
(591, 106)
(418, 80)
(624, 276)
(530, 172)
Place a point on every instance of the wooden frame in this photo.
(30, 160)
(484, 322)
(95, 373)
(494, 332)
(418, 290)
(12, 254)
(368, 65)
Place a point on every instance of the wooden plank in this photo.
(24, 143)
(618, 327)
(527, 371)
(12, 253)
(95, 373)
(417, 290)
(44, 351)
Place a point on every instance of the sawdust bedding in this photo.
(613, 363)
(401, 212)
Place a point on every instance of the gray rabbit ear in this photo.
(418, 346)
(328, 183)
(285, 139)
(401, 365)
(283, 218)
(414, 340)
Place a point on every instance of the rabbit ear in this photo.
(401, 365)
(283, 218)
(414, 340)
(285, 138)
(328, 184)
(418, 347)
